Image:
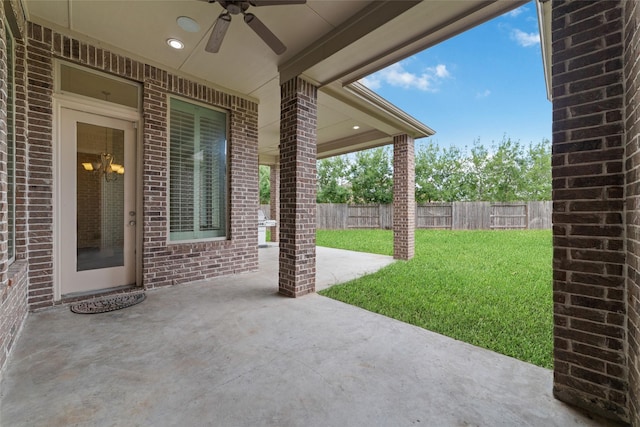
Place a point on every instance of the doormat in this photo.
(107, 304)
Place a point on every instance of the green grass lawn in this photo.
(492, 289)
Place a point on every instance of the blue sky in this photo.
(482, 84)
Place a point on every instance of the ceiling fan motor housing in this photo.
(236, 7)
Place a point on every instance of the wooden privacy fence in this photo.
(451, 216)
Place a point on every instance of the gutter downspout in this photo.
(543, 7)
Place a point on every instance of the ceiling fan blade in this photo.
(218, 32)
(275, 2)
(265, 34)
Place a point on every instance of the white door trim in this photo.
(109, 111)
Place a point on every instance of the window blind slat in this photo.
(197, 172)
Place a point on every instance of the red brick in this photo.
(588, 107)
(404, 215)
(298, 127)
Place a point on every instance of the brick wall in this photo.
(13, 286)
(404, 201)
(13, 308)
(167, 264)
(4, 131)
(39, 200)
(21, 128)
(588, 192)
(632, 127)
(298, 127)
(163, 263)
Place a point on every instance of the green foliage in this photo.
(333, 174)
(265, 184)
(504, 172)
(510, 172)
(477, 183)
(371, 176)
(492, 289)
(538, 172)
(440, 174)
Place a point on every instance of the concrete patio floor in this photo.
(231, 352)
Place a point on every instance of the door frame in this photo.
(109, 110)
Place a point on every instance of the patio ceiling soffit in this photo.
(384, 33)
(359, 96)
(375, 15)
(384, 120)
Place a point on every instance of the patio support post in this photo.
(298, 127)
(591, 260)
(631, 31)
(404, 200)
(274, 202)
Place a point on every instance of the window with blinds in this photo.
(197, 172)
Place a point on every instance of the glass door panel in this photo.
(100, 197)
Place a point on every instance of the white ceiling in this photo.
(331, 43)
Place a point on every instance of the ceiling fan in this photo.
(240, 7)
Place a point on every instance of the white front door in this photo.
(97, 202)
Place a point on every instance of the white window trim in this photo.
(228, 213)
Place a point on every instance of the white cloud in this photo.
(396, 75)
(373, 82)
(483, 94)
(440, 71)
(525, 39)
(516, 12)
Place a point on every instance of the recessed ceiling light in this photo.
(175, 43)
(356, 127)
(188, 24)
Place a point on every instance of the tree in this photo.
(372, 176)
(333, 174)
(504, 172)
(475, 171)
(426, 187)
(265, 184)
(440, 174)
(538, 172)
(509, 172)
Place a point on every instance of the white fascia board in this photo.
(404, 122)
(543, 8)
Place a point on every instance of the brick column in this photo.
(404, 200)
(298, 124)
(274, 202)
(40, 169)
(632, 142)
(590, 368)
